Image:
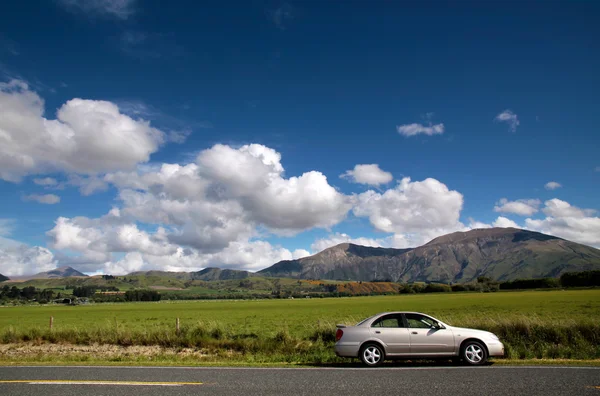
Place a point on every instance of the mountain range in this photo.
(499, 253)
(3, 278)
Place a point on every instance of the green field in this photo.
(533, 324)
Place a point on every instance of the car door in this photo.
(391, 330)
(426, 338)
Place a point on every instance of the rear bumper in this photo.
(343, 350)
(495, 348)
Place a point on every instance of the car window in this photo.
(416, 321)
(393, 321)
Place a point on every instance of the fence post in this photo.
(51, 322)
(177, 324)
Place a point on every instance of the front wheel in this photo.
(474, 353)
(372, 355)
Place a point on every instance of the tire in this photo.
(372, 355)
(473, 353)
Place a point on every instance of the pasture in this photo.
(542, 324)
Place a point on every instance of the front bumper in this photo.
(495, 348)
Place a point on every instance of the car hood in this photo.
(466, 332)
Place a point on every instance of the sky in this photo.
(140, 135)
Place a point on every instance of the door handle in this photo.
(415, 332)
(378, 332)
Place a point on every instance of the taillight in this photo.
(338, 334)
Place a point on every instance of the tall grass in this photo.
(524, 338)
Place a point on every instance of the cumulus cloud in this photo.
(474, 224)
(6, 227)
(569, 222)
(47, 181)
(552, 185)
(503, 222)
(415, 211)
(100, 241)
(416, 129)
(205, 213)
(368, 174)
(121, 9)
(510, 118)
(87, 136)
(522, 207)
(253, 176)
(48, 199)
(18, 259)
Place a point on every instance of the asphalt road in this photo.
(413, 381)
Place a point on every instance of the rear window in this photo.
(365, 320)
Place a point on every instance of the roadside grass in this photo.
(533, 326)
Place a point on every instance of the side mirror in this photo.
(438, 326)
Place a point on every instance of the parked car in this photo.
(402, 335)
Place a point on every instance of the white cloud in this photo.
(505, 223)
(416, 129)
(522, 207)
(510, 118)
(569, 222)
(415, 211)
(97, 241)
(300, 253)
(88, 185)
(121, 9)
(87, 137)
(206, 214)
(253, 176)
(6, 227)
(18, 259)
(474, 224)
(47, 181)
(48, 199)
(368, 174)
(552, 185)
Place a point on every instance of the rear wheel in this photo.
(474, 353)
(372, 355)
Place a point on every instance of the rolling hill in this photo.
(214, 274)
(3, 278)
(498, 253)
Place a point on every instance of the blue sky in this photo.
(495, 99)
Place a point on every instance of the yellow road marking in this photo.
(77, 382)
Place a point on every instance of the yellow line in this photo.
(76, 382)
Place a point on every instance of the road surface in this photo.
(414, 381)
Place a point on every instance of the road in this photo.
(414, 381)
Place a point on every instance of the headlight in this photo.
(493, 337)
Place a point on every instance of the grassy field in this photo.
(533, 324)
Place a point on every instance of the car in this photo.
(414, 335)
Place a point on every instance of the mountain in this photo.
(3, 278)
(498, 253)
(62, 272)
(213, 274)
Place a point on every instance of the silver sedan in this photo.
(402, 335)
